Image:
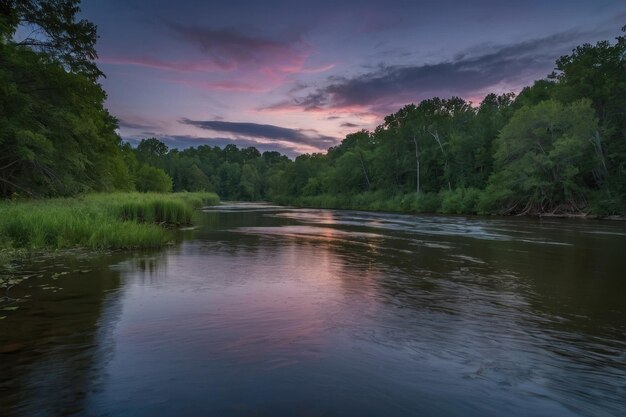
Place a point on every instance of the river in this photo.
(270, 311)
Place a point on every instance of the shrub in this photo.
(153, 179)
(459, 201)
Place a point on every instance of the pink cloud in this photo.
(287, 107)
(266, 77)
(224, 85)
(233, 48)
(177, 66)
(317, 70)
(296, 68)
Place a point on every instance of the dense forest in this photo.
(557, 147)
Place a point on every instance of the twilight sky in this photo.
(297, 77)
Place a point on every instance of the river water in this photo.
(270, 311)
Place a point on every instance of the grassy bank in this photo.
(97, 221)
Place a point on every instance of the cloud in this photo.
(470, 74)
(348, 124)
(136, 123)
(225, 85)
(158, 64)
(297, 137)
(231, 48)
(228, 59)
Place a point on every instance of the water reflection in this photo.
(273, 311)
(52, 344)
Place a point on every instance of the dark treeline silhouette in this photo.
(557, 147)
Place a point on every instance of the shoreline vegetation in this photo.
(97, 221)
(445, 204)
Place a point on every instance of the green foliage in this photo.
(598, 73)
(151, 151)
(151, 179)
(459, 201)
(236, 174)
(119, 220)
(421, 203)
(55, 32)
(544, 157)
(56, 136)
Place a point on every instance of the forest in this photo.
(558, 147)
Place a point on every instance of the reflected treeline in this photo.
(52, 347)
(148, 267)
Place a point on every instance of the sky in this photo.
(297, 77)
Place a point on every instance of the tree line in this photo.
(557, 147)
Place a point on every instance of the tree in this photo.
(598, 72)
(151, 179)
(151, 151)
(197, 180)
(54, 31)
(57, 138)
(250, 182)
(542, 157)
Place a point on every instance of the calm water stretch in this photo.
(270, 311)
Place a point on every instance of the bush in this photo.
(422, 203)
(605, 203)
(151, 179)
(459, 201)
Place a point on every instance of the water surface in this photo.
(270, 311)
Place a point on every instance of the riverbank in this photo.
(96, 221)
(455, 202)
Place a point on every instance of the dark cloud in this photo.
(297, 136)
(126, 124)
(387, 87)
(229, 48)
(348, 124)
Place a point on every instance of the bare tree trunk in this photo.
(597, 143)
(417, 165)
(445, 159)
(364, 170)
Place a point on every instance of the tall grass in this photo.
(98, 221)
